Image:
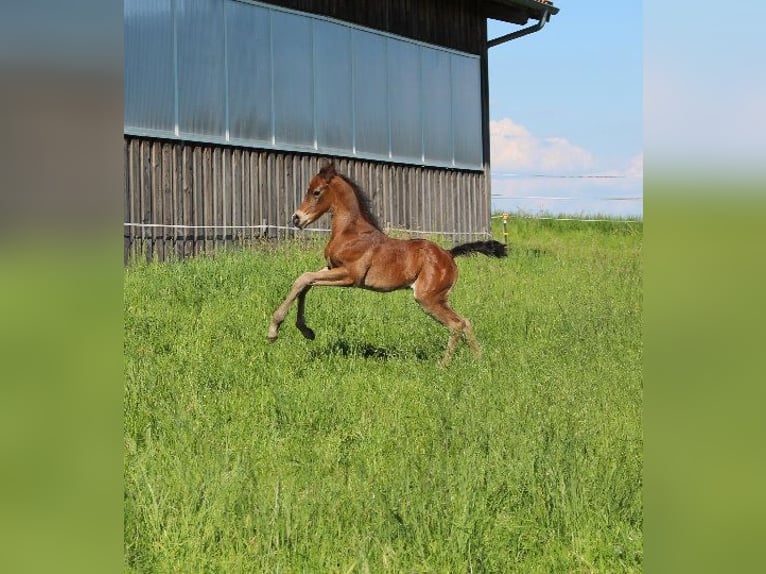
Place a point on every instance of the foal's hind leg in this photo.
(440, 310)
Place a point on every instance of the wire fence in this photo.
(505, 214)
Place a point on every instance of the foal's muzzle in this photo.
(297, 220)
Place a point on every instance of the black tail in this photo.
(491, 248)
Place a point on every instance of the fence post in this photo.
(505, 228)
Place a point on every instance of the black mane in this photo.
(365, 203)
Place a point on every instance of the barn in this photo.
(231, 106)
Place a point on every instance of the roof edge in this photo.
(518, 11)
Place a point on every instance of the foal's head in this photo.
(317, 199)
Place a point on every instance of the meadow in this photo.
(356, 452)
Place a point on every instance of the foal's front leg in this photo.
(337, 277)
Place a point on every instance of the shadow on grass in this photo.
(527, 251)
(362, 350)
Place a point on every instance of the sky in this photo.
(566, 112)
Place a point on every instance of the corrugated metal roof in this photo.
(518, 11)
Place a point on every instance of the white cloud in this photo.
(636, 166)
(514, 148)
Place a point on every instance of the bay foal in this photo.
(360, 254)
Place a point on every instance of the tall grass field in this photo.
(356, 452)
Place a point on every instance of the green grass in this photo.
(356, 452)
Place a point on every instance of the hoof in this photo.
(271, 339)
(307, 332)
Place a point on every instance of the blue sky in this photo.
(567, 101)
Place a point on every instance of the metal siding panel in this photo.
(370, 97)
(404, 100)
(201, 67)
(466, 111)
(248, 35)
(332, 71)
(437, 103)
(293, 79)
(149, 81)
(287, 81)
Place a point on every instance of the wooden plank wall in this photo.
(184, 198)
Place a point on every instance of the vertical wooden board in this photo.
(279, 190)
(438, 202)
(247, 195)
(218, 198)
(421, 200)
(126, 184)
(393, 197)
(466, 195)
(289, 179)
(166, 167)
(276, 198)
(198, 210)
(263, 204)
(435, 201)
(485, 199)
(270, 194)
(252, 189)
(157, 199)
(369, 185)
(231, 168)
(226, 200)
(476, 222)
(372, 182)
(457, 194)
(304, 177)
(432, 199)
(300, 181)
(176, 200)
(469, 205)
(399, 196)
(207, 195)
(459, 211)
(135, 191)
(448, 204)
(255, 182)
(363, 182)
(248, 216)
(412, 199)
(243, 178)
(472, 204)
(144, 185)
(222, 203)
(428, 201)
(388, 190)
(146, 197)
(230, 197)
(466, 207)
(266, 197)
(126, 238)
(406, 198)
(187, 186)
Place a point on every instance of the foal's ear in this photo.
(328, 171)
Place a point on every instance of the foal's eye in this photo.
(317, 192)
